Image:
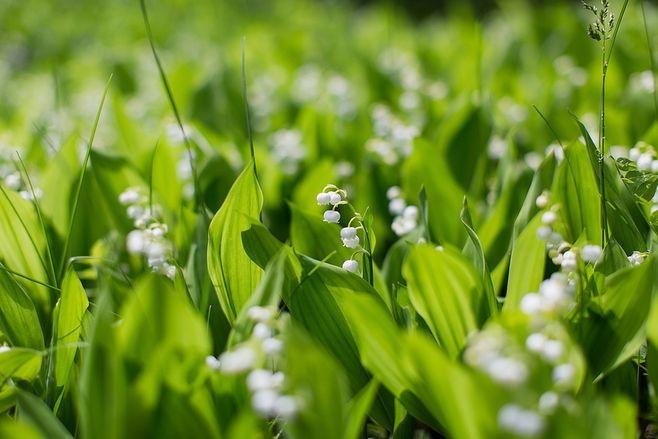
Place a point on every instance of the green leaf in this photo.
(20, 363)
(22, 247)
(541, 181)
(315, 304)
(233, 274)
(574, 184)
(475, 253)
(10, 428)
(102, 389)
(18, 317)
(73, 305)
(311, 370)
(262, 246)
(626, 221)
(33, 411)
(311, 236)
(614, 326)
(526, 265)
(455, 401)
(446, 291)
(444, 194)
(267, 294)
(358, 410)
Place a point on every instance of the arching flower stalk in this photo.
(334, 196)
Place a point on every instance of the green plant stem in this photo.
(604, 215)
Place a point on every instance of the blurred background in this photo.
(324, 80)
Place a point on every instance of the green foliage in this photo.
(153, 284)
(233, 274)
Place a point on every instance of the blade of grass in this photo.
(51, 263)
(155, 151)
(28, 278)
(83, 171)
(172, 102)
(246, 108)
(550, 127)
(651, 59)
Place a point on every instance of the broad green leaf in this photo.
(526, 269)
(463, 139)
(496, 231)
(541, 181)
(102, 385)
(35, 412)
(358, 410)
(15, 429)
(73, 305)
(18, 317)
(313, 237)
(232, 272)
(573, 188)
(20, 363)
(610, 333)
(22, 247)
(456, 402)
(444, 195)
(267, 294)
(447, 292)
(311, 370)
(316, 305)
(475, 253)
(262, 246)
(160, 318)
(627, 224)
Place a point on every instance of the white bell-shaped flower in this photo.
(351, 265)
(323, 198)
(331, 216)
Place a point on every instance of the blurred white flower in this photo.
(237, 361)
(519, 421)
(260, 314)
(262, 331)
(272, 346)
(212, 362)
(591, 253)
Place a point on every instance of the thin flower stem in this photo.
(604, 215)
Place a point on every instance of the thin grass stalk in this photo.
(651, 59)
(83, 172)
(172, 102)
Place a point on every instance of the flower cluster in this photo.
(267, 386)
(11, 179)
(288, 150)
(535, 357)
(333, 196)
(149, 238)
(393, 139)
(334, 91)
(406, 217)
(644, 157)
